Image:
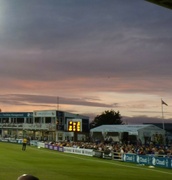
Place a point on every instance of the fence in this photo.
(151, 160)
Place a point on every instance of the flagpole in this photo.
(162, 115)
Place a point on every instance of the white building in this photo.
(44, 125)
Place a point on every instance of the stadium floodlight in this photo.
(164, 3)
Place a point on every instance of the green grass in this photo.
(52, 165)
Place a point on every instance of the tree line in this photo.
(108, 117)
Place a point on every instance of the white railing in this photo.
(27, 126)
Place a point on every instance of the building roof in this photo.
(125, 128)
(167, 126)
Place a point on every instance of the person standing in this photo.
(24, 144)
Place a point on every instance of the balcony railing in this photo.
(27, 126)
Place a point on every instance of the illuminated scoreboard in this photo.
(74, 125)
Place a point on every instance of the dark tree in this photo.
(107, 118)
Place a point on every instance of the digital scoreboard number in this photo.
(74, 126)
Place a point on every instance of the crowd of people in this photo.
(120, 148)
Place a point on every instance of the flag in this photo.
(164, 103)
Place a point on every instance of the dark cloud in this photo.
(33, 100)
(145, 119)
(83, 46)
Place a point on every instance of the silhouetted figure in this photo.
(27, 177)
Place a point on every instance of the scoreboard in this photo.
(74, 126)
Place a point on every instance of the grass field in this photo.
(52, 165)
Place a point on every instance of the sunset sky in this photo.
(86, 56)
